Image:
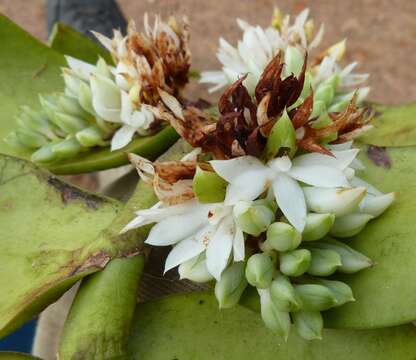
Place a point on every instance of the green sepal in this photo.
(208, 186)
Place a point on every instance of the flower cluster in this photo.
(271, 187)
(104, 104)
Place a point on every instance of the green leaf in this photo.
(393, 126)
(191, 326)
(69, 41)
(47, 237)
(103, 309)
(30, 68)
(16, 356)
(385, 293)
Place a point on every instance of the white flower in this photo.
(248, 177)
(255, 50)
(192, 228)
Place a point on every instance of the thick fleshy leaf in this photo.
(28, 61)
(192, 327)
(69, 41)
(385, 293)
(103, 309)
(47, 238)
(16, 356)
(392, 126)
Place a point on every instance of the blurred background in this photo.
(381, 37)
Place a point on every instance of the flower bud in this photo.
(324, 262)
(72, 82)
(295, 263)
(282, 138)
(195, 270)
(350, 225)
(29, 138)
(283, 237)
(103, 69)
(253, 217)
(49, 105)
(106, 98)
(208, 186)
(324, 93)
(308, 324)
(336, 201)
(351, 260)
(277, 18)
(230, 287)
(376, 205)
(66, 149)
(35, 121)
(283, 294)
(340, 290)
(337, 50)
(259, 270)
(319, 108)
(85, 98)
(317, 226)
(293, 61)
(69, 105)
(274, 319)
(68, 123)
(315, 297)
(44, 154)
(90, 136)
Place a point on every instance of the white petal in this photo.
(317, 175)
(356, 181)
(291, 201)
(281, 164)
(184, 251)
(238, 245)
(341, 160)
(104, 40)
(81, 68)
(122, 137)
(248, 177)
(219, 247)
(376, 205)
(177, 227)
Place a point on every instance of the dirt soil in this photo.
(381, 33)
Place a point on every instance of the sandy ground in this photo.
(381, 33)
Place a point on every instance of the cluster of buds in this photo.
(104, 104)
(271, 189)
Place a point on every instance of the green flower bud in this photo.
(282, 138)
(36, 121)
(68, 123)
(283, 294)
(69, 105)
(253, 217)
(259, 270)
(103, 69)
(208, 186)
(72, 82)
(49, 105)
(85, 98)
(339, 106)
(315, 297)
(340, 290)
(324, 93)
(335, 201)
(283, 237)
(317, 226)
(90, 136)
(308, 324)
(30, 139)
(376, 205)
(350, 225)
(231, 286)
(324, 262)
(319, 108)
(351, 260)
(274, 319)
(195, 270)
(12, 140)
(295, 263)
(294, 59)
(66, 149)
(44, 154)
(307, 85)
